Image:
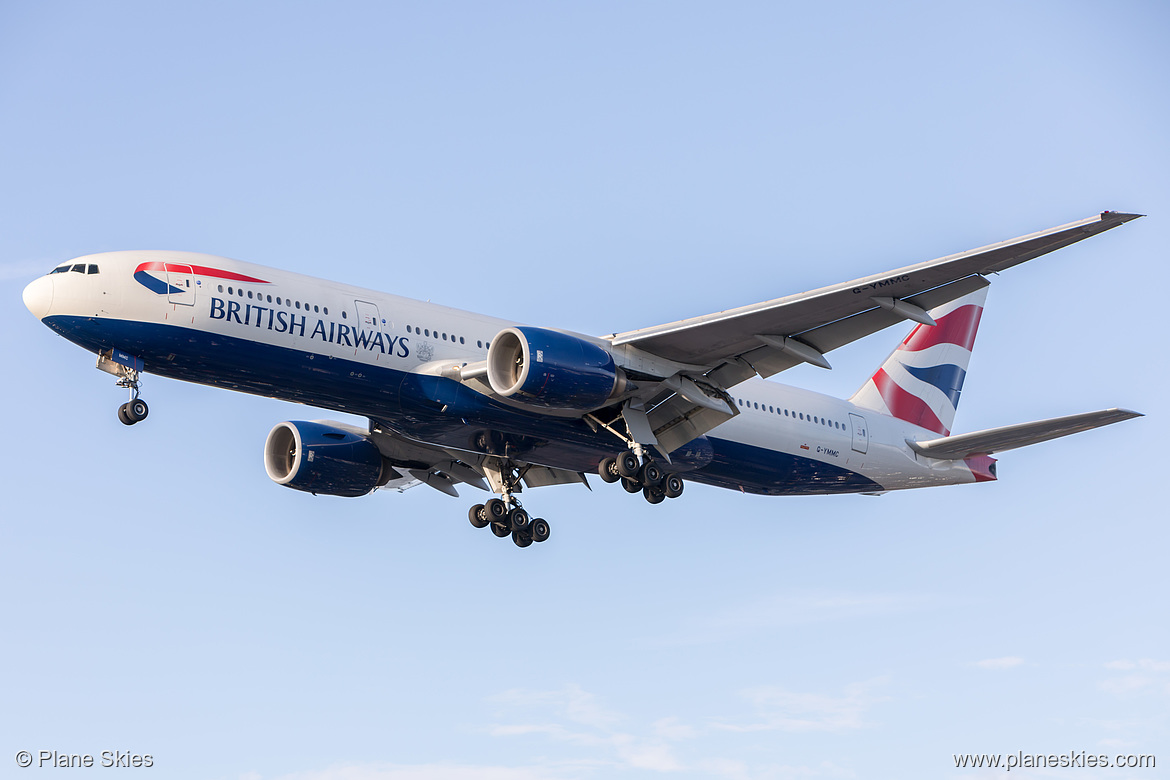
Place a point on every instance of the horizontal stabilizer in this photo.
(1012, 436)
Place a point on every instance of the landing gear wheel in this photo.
(540, 530)
(628, 464)
(651, 474)
(478, 516)
(522, 538)
(496, 510)
(607, 470)
(654, 495)
(124, 415)
(501, 530)
(631, 485)
(519, 520)
(672, 486)
(137, 410)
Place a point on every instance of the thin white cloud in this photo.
(782, 710)
(570, 702)
(1145, 664)
(673, 729)
(732, 769)
(1129, 684)
(611, 741)
(574, 716)
(1147, 674)
(437, 771)
(1007, 662)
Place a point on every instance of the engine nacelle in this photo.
(553, 370)
(319, 458)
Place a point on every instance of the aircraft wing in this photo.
(769, 337)
(1010, 437)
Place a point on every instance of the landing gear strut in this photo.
(134, 410)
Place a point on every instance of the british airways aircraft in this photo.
(454, 397)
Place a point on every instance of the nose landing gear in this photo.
(133, 411)
(127, 369)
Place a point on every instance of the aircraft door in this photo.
(860, 433)
(180, 284)
(367, 316)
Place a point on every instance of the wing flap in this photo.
(544, 476)
(1011, 437)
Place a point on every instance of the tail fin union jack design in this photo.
(923, 378)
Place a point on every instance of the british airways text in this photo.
(282, 321)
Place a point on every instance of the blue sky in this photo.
(599, 167)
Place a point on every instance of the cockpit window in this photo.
(79, 268)
(92, 269)
(60, 269)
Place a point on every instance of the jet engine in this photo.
(320, 458)
(552, 370)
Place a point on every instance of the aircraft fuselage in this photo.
(239, 326)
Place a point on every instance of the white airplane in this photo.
(454, 397)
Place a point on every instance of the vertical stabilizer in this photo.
(921, 381)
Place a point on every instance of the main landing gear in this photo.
(508, 518)
(504, 515)
(641, 474)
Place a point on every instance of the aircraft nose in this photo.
(38, 296)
